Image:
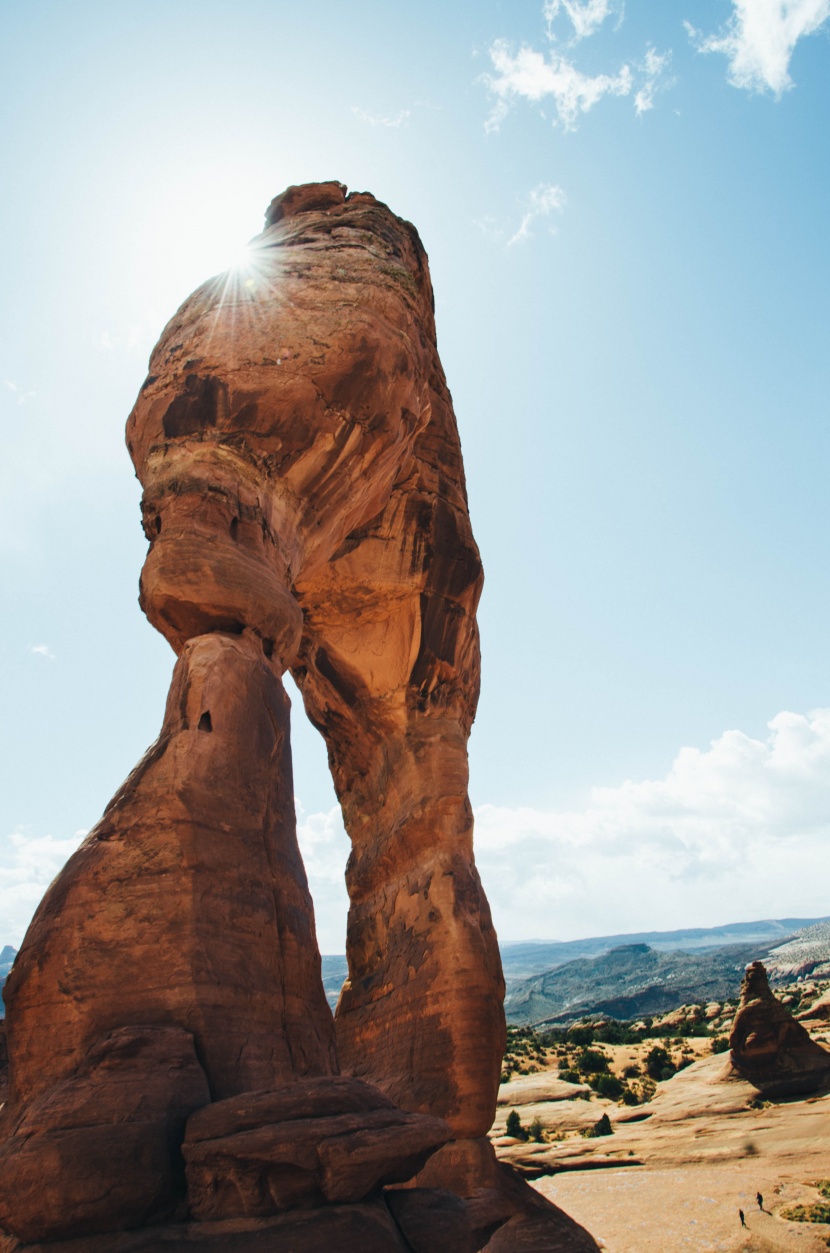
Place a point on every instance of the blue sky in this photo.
(626, 212)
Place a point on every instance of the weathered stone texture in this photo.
(101, 1148)
(323, 1141)
(303, 477)
(305, 503)
(769, 1048)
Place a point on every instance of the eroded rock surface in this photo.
(319, 1141)
(303, 478)
(305, 504)
(769, 1048)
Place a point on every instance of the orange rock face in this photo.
(305, 503)
(769, 1048)
(303, 478)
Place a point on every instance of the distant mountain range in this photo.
(525, 958)
(673, 968)
(658, 970)
(628, 976)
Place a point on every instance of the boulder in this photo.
(99, 1150)
(267, 1152)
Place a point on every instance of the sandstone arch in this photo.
(305, 504)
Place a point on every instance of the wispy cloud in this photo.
(542, 201)
(759, 40)
(28, 864)
(653, 69)
(586, 15)
(532, 76)
(20, 395)
(42, 650)
(391, 120)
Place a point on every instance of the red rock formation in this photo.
(303, 478)
(305, 504)
(769, 1048)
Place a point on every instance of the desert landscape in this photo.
(647, 1134)
(352, 901)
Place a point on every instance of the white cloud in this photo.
(392, 120)
(31, 863)
(20, 395)
(543, 200)
(325, 848)
(738, 831)
(653, 69)
(42, 650)
(586, 15)
(531, 76)
(760, 37)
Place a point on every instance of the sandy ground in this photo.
(675, 1173)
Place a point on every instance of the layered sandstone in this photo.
(305, 504)
(769, 1048)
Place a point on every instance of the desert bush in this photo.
(720, 1044)
(514, 1126)
(607, 1086)
(591, 1062)
(815, 1213)
(536, 1130)
(658, 1063)
(601, 1128)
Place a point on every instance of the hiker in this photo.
(760, 1200)
(741, 1216)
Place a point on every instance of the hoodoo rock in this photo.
(769, 1048)
(305, 504)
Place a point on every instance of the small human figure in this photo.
(741, 1216)
(760, 1200)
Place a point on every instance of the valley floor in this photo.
(675, 1172)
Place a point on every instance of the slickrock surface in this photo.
(769, 1048)
(305, 504)
(672, 1176)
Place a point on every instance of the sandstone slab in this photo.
(344, 1229)
(100, 1149)
(259, 1155)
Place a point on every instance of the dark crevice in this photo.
(205, 723)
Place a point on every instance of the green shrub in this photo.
(608, 1086)
(816, 1213)
(514, 1126)
(658, 1062)
(720, 1044)
(570, 1076)
(592, 1062)
(601, 1128)
(537, 1131)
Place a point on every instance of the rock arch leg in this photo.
(389, 670)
